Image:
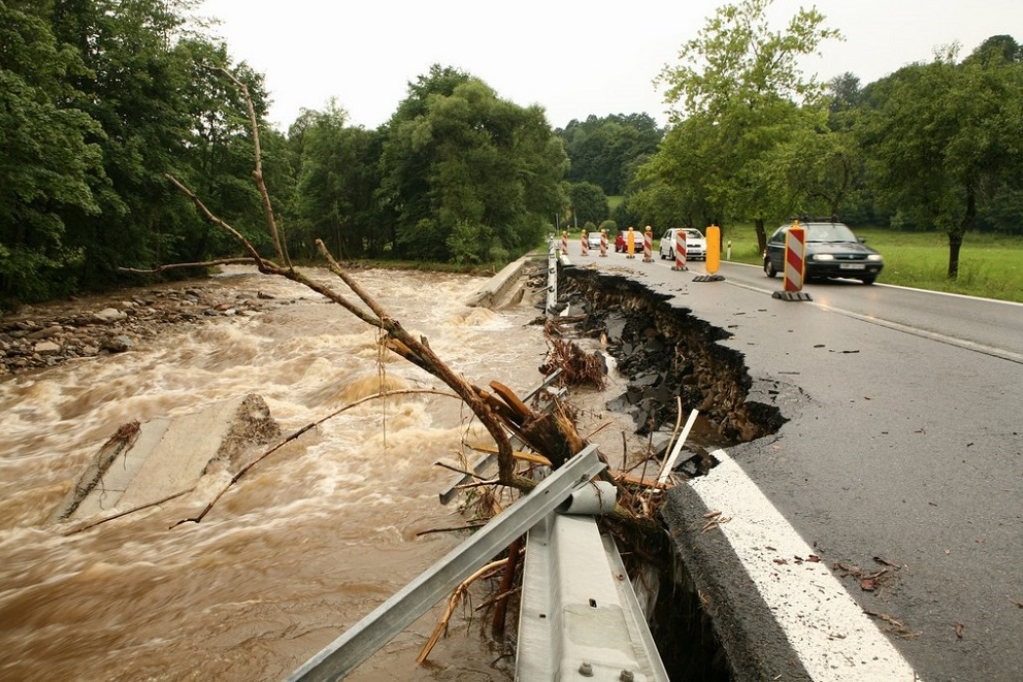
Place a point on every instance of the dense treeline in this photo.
(100, 99)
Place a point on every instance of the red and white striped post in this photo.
(585, 244)
(795, 257)
(603, 243)
(564, 243)
(680, 250)
(648, 245)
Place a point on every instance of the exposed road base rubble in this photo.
(667, 353)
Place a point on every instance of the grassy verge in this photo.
(989, 265)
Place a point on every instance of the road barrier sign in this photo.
(795, 265)
(586, 243)
(648, 245)
(680, 250)
(603, 243)
(631, 242)
(795, 258)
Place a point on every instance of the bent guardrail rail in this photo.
(363, 639)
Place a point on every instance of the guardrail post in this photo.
(552, 279)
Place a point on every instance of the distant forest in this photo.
(101, 101)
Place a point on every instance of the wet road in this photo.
(903, 454)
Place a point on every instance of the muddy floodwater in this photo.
(310, 541)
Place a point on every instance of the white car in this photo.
(696, 244)
(593, 239)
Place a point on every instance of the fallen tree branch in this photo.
(178, 266)
(442, 626)
(93, 524)
(507, 581)
(452, 529)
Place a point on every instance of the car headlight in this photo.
(875, 257)
(824, 256)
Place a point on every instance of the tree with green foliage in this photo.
(602, 151)
(338, 176)
(818, 171)
(216, 160)
(467, 176)
(740, 84)
(589, 203)
(942, 139)
(49, 158)
(164, 106)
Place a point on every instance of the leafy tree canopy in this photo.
(48, 160)
(469, 177)
(602, 150)
(738, 95)
(942, 139)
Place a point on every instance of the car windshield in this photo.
(693, 234)
(829, 232)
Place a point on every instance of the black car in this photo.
(832, 250)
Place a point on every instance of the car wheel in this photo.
(769, 268)
(867, 280)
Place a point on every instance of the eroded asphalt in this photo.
(900, 466)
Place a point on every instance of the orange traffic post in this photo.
(603, 243)
(631, 242)
(713, 259)
(795, 265)
(648, 245)
(586, 243)
(713, 249)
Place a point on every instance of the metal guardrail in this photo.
(579, 616)
(363, 639)
(552, 278)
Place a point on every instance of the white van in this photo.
(696, 244)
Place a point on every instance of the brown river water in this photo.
(310, 541)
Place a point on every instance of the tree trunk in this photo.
(955, 243)
(761, 235)
(955, 235)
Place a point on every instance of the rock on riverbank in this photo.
(51, 334)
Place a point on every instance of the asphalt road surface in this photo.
(900, 471)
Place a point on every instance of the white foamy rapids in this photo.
(308, 541)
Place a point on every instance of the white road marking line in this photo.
(828, 630)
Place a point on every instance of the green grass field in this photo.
(989, 265)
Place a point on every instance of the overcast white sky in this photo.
(573, 58)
